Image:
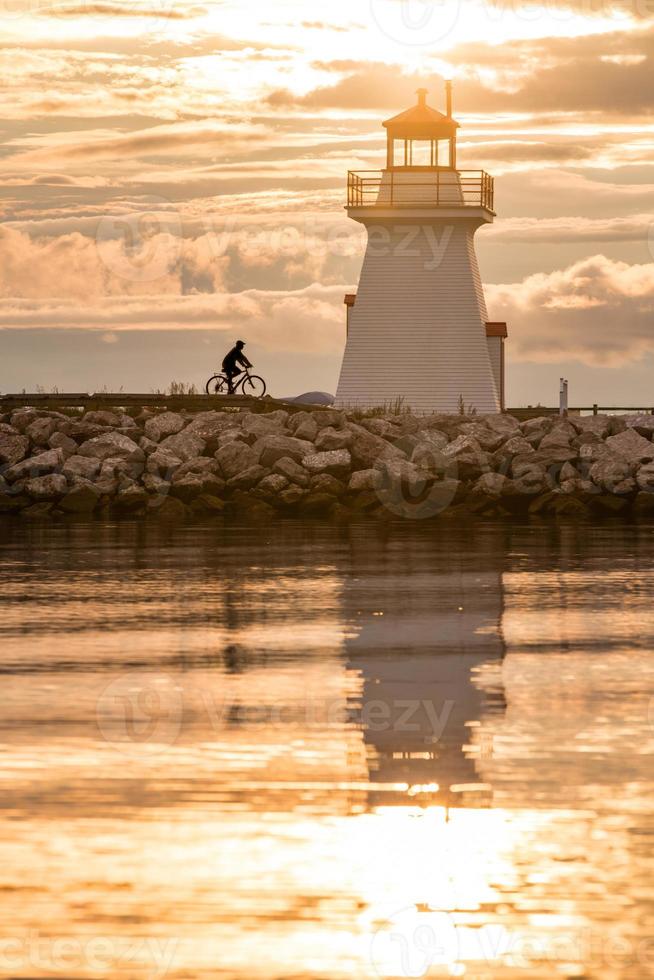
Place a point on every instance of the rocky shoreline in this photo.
(323, 463)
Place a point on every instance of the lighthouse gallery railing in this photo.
(434, 191)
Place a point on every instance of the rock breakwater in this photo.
(173, 466)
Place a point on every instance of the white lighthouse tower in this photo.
(417, 326)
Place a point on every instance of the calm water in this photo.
(309, 752)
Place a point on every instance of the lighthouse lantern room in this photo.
(417, 325)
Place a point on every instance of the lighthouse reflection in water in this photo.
(315, 752)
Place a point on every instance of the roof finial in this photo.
(422, 96)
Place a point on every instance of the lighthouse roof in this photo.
(421, 122)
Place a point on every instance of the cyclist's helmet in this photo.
(240, 343)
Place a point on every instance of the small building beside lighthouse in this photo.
(417, 328)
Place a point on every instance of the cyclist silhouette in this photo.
(230, 362)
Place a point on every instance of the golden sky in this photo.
(173, 176)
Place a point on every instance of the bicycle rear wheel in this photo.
(254, 385)
(217, 385)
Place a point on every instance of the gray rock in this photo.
(306, 429)
(131, 498)
(117, 467)
(155, 484)
(363, 480)
(167, 509)
(541, 424)
(463, 445)
(613, 474)
(13, 445)
(529, 476)
(433, 437)
(505, 425)
(50, 487)
(643, 424)
(40, 430)
(203, 465)
(110, 445)
(235, 457)
(330, 417)
(293, 472)
(272, 485)
(50, 461)
(263, 425)
(188, 487)
(600, 425)
(248, 479)
(338, 462)
(491, 484)
(185, 445)
(166, 424)
(487, 438)
(271, 448)
(560, 435)
(367, 449)
(67, 445)
(23, 417)
(82, 498)
(631, 445)
(645, 478)
(81, 467)
(330, 438)
(147, 445)
(299, 419)
(105, 418)
(292, 495)
(325, 483)
(381, 428)
(211, 425)
(163, 463)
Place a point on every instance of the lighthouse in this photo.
(417, 326)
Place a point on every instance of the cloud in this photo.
(632, 228)
(308, 320)
(596, 311)
(155, 10)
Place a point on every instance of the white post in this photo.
(563, 397)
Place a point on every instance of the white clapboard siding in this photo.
(418, 328)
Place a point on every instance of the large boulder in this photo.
(203, 465)
(489, 439)
(103, 417)
(560, 435)
(600, 425)
(270, 448)
(541, 424)
(330, 417)
(363, 480)
(643, 424)
(81, 467)
(634, 447)
(263, 425)
(40, 430)
(214, 427)
(163, 463)
(247, 479)
(161, 426)
(82, 498)
(235, 457)
(13, 445)
(111, 444)
(463, 445)
(330, 438)
(50, 461)
(645, 478)
(338, 462)
(529, 476)
(185, 445)
(292, 471)
(367, 449)
(613, 474)
(60, 441)
(50, 487)
(306, 428)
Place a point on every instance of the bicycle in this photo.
(250, 384)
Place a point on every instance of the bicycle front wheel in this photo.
(218, 385)
(254, 386)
